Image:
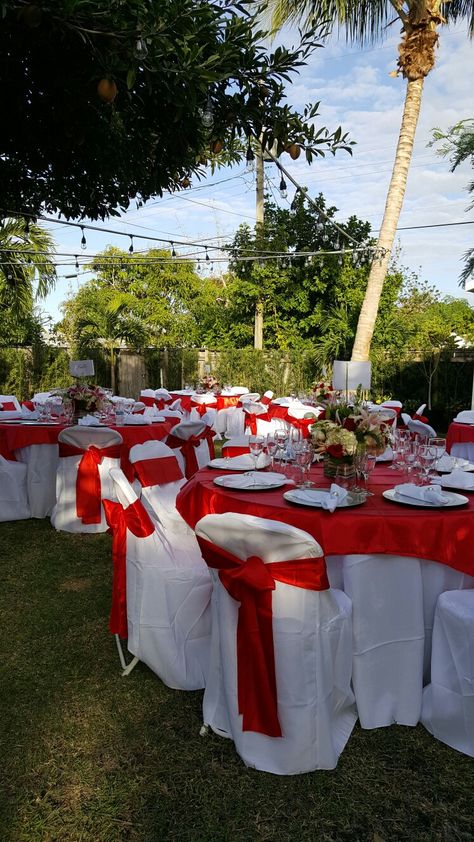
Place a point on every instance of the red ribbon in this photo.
(266, 401)
(234, 450)
(302, 424)
(251, 583)
(7, 406)
(421, 418)
(160, 403)
(202, 408)
(187, 447)
(29, 405)
(88, 487)
(157, 471)
(136, 519)
(250, 422)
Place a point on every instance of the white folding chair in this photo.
(304, 643)
(13, 491)
(167, 599)
(9, 408)
(448, 702)
(86, 455)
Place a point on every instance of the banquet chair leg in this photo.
(126, 668)
(130, 666)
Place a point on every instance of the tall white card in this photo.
(81, 368)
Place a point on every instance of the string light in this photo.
(282, 188)
(141, 50)
(173, 253)
(130, 248)
(250, 159)
(207, 254)
(207, 114)
(77, 263)
(83, 239)
(27, 226)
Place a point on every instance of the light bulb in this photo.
(140, 50)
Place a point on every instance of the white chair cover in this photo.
(238, 390)
(64, 515)
(168, 605)
(448, 702)
(388, 635)
(422, 430)
(42, 462)
(160, 498)
(13, 491)
(312, 645)
(12, 408)
(250, 396)
(465, 417)
(163, 394)
(209, 401)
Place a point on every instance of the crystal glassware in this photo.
(256, 444)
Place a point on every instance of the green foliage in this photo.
(26, 253)
(292, 371)
(68, 146)
(458, 144)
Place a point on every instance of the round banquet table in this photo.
(392, 560)
(460, 440)
(17, 438)
(377, 526)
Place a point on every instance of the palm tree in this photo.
(26, 254)
(364, 21)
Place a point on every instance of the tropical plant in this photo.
(458, 144)
(365, 22)
(109, 100)
(26, 256)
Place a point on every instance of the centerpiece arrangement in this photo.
(346, 430)
(84, 398)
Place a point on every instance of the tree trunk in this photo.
(112, 370)
(393, 206)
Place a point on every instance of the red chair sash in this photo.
(421, 418)
(7, 406)
(88, 487)
(29, 405)
(187, 447)
(136, 519)
(160, 403)
(265, 400)
(302, 424)
(251, 583)
(238, 450)
(157, 471)
(202, 408)
(250, 422)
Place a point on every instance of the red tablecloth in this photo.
(459, 434)
(15, 436)
(378, 526)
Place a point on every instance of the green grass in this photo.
(88, 755)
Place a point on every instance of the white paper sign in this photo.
(81, 368)
(348, 375)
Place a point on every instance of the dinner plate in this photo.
(453, 499)
(229, 481)
(226, 465)
(348, 502)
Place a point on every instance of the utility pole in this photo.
(258, 325)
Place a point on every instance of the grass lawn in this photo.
(88, 755)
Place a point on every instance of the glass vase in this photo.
(343, 465)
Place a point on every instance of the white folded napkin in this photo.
(465, 417)
(386, 456)
(456, 479)
(246, 462)
(253, 478)
(89, 421)
(328, 500)
(426, 493)
(137, 420)
(449, 463)
(29, 414)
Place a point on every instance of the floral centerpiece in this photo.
(346, 430)
(84, 398)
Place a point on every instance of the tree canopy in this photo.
(105, 100)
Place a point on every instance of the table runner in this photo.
(376, 527)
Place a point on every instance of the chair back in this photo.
(84, 437)
(238, 390)
(9, 407)
(422, 430)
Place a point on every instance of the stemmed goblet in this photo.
(256, 444)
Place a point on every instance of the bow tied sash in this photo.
(137, 520)
(88, 486)
(251, 583)
(188, 449)
(251, 418)
(159, 403)
(201, 408)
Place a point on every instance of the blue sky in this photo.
(357, 93)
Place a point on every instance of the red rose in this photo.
(336, 450)
(349, 424)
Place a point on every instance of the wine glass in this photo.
(256, 448)
(281, 438)
(410, 455)
(304, 460)
(440, 445)
(427, 455)
(271, 448)
(367, 466)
